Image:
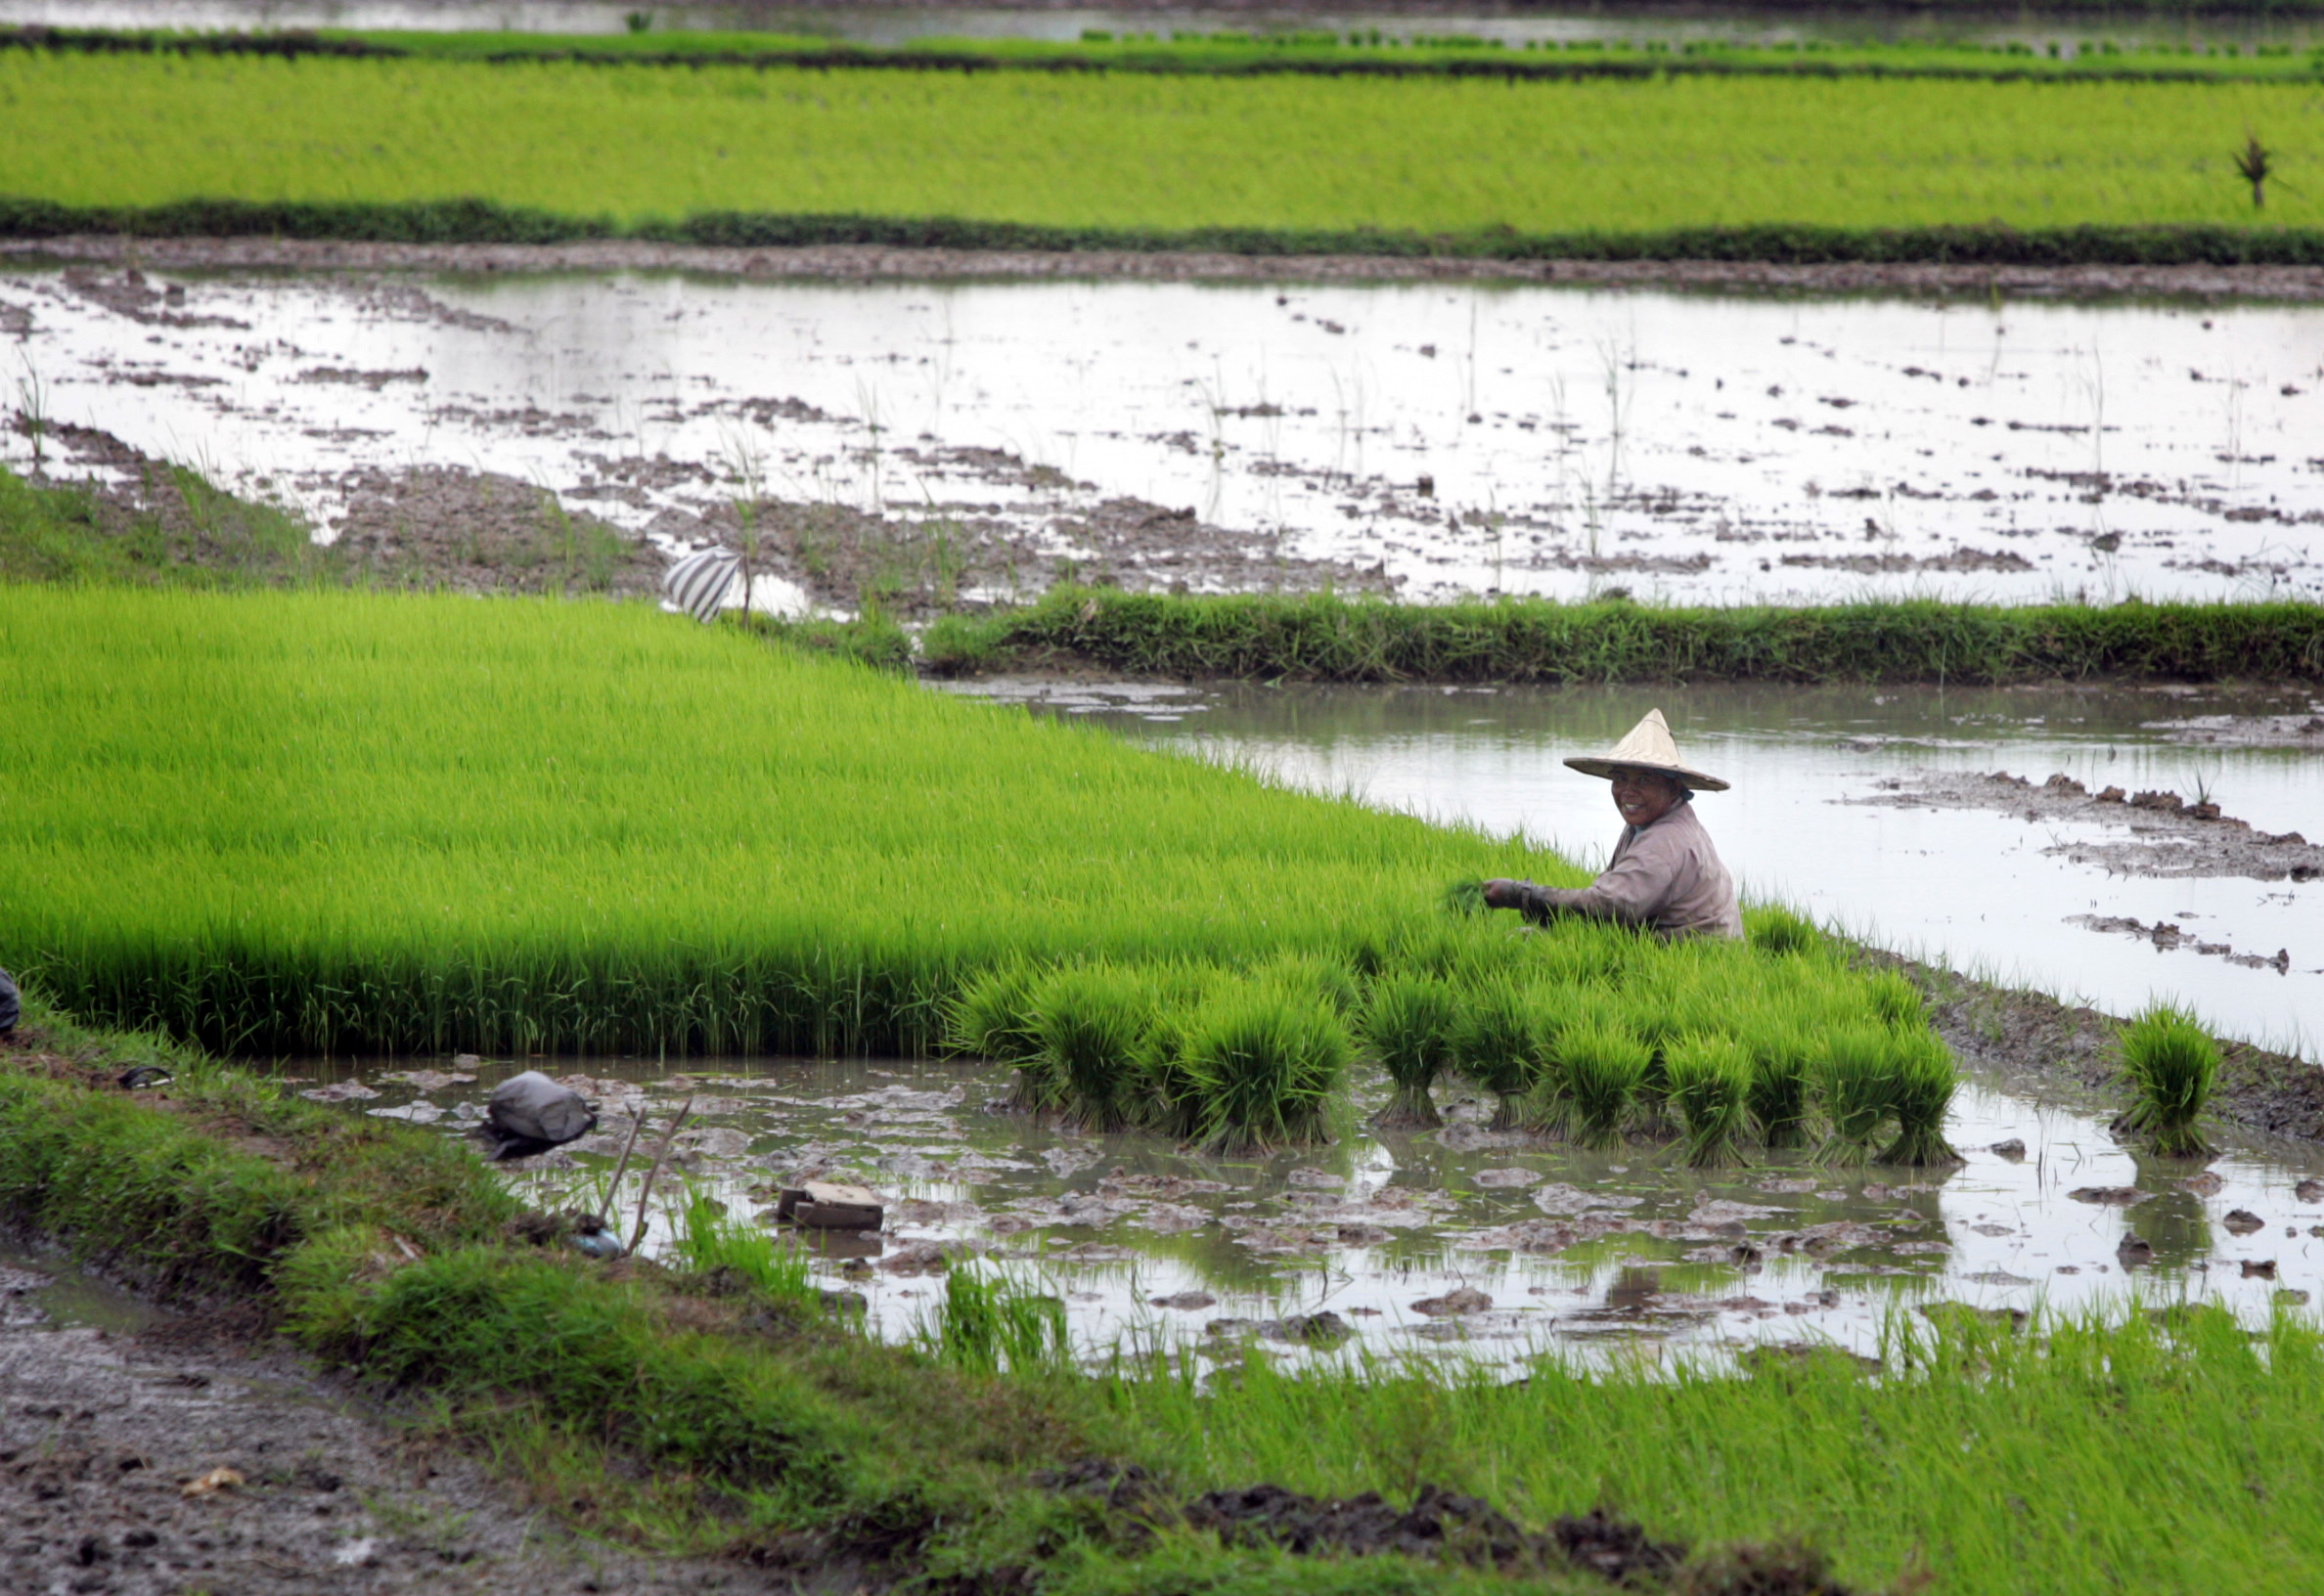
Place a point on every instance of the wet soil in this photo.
(186, 1456)
(865, 263)
(2166, 834)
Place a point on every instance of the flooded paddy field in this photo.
(965, 442)
(1877, 808)
(1462, 1242)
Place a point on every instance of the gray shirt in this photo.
(1666, 876)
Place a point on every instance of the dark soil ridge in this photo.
(881, 263)
(1227, 59)
(485, 221)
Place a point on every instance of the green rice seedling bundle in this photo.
(992, 1018)
(1091, 1021)
(1856, 1081)
(2172, 1065)
(1710, 1091)
(1497, 1044)
(1779, 931)
(1897, 1001)
(1781, 1045)
(1559, 1008)
(1264, 1062)
(1922, 1094)
(1603, 1065)
(1311, 975)
(1655, 1010)
(1408, 1022)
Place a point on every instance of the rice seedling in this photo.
(592, 147)
(1782, 1053)
(1309, 975)
(708, 1241)
(1710, 1087)
(1408, 1024)
(539, 812)
(1264, 1064)
(1656, 1010)
(1092, 1022)
(992, 1323)
(1855, 1079)
(1779, 931)
(1921, 1094)
(1497, 1044)
(1603, 1065)
(2172, 1065)
(1897, 1001)
(992, 1018)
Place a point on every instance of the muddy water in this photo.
(1824, 811)
(1429, 439)
(898, 25)
(1146, 1243)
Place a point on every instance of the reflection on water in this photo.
(1147, 1243)
(1984, 891)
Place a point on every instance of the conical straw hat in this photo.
(1649, 747)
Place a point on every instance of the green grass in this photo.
(1169, 153)
(1331, 638)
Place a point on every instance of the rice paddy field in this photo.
(1285, 155)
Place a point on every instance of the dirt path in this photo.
(107, 1439)
(872, 263)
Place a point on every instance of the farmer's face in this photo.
(1645, 796)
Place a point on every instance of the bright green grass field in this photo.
(1152, 151)
(283, 822)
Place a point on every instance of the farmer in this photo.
(1665, 874)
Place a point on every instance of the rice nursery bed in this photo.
(1290, 159)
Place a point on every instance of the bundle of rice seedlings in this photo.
(1897, 1001)
(2172, 1065)
(1263, 1064)
(1780, 931)
(992, 1018)
(1602, 1064)
(1855, 1075)
(1921, 1094)
(1654, 1011)
(1710, 1087)
(1167, 1098)
(1782, 1053)
(1409, 1025)
(1497, 1044)
(1092, 1022)
(1466, 895)
(1311, 975)
(1557, 1009)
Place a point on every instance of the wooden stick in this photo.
(660, 1157)
(621, 1167)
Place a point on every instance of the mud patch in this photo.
(160, 1463)
(482, 532)
(2168, 836)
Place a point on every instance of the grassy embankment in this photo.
(685, 1409)
(1327, 638)
(1722, 164)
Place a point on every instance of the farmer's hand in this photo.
(1500, 893)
